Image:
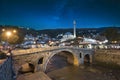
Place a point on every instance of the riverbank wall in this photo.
(107, 58)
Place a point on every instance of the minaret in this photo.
(74, 31)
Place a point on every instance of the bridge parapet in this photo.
(32, 50)
(35, 50)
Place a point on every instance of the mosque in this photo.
(68, 35)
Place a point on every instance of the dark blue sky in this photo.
(47, 14)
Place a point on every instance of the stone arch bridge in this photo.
(38, 58)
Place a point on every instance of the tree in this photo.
(112, 34)
(14, 38)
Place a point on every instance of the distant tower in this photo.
(74, 31)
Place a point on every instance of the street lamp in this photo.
(8, 34)
(14, 31)
(3, 30)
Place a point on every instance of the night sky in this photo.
(51, 14)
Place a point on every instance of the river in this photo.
(59, 69)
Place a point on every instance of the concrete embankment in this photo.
(107, 58)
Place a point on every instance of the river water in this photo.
(59, 69)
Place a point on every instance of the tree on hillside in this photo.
(14, 38)
(112, 34)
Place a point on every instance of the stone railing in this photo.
(6, 70)
(34, 50)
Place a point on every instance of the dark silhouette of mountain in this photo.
(53, 32)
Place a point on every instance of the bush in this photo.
(2, 55)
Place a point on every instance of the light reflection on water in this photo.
(77, 73)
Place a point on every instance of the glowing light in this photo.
(8, 33)
(14, 31)
(3, 30)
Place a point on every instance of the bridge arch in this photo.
(71, 57)
(40, 61)
(86, 58)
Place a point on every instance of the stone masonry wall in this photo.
(6, 71)
(107, 58)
